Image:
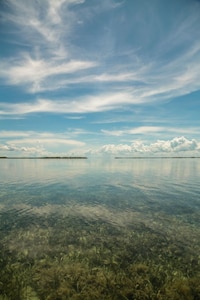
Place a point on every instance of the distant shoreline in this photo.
(47, 157)
(117, 157)
(154, 157)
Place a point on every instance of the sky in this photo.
(99, 77)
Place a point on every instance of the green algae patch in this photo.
(72, 255)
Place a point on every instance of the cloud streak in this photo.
(87, 104)
(138, 130)
(35, 73)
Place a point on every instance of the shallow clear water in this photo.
(100, 229)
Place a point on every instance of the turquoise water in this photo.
(100, 229)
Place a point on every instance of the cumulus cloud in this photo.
(21, 149)
(182, 144)
(48, 144)
(39, 143)
(174, 146)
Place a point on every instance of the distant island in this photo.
(64, 157)
(85, 157)
(47, 157)
(153, 157)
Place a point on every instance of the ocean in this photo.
(100, 228)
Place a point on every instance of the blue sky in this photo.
(119, 77)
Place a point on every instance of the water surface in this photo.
(100, 229)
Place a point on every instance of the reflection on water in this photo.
(99, 229)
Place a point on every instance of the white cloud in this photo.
(39, 143)
(74, 117)
(115, 149)
(182, 144)
(148, 79)
(172, 147)
(113, 132)
(35, 72)
(137, 130)
(22, 149)
(87, 104)
(44, 143)
(110, 77)
(43, 18)
(33, 137)
(5, 134)
(49, 57)
(48, 27)
(10, 133)
(47, 141)
(55, 10)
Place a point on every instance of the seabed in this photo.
(56, 254)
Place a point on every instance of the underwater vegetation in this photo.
(60, 256)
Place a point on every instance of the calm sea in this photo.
(100, 229)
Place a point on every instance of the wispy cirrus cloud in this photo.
(132, 131)
(87, 104)
(44, 27)
(151, 131)
(32, 136)
(41, 19)
(58, 61)
(35, 74)
(52, 141)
